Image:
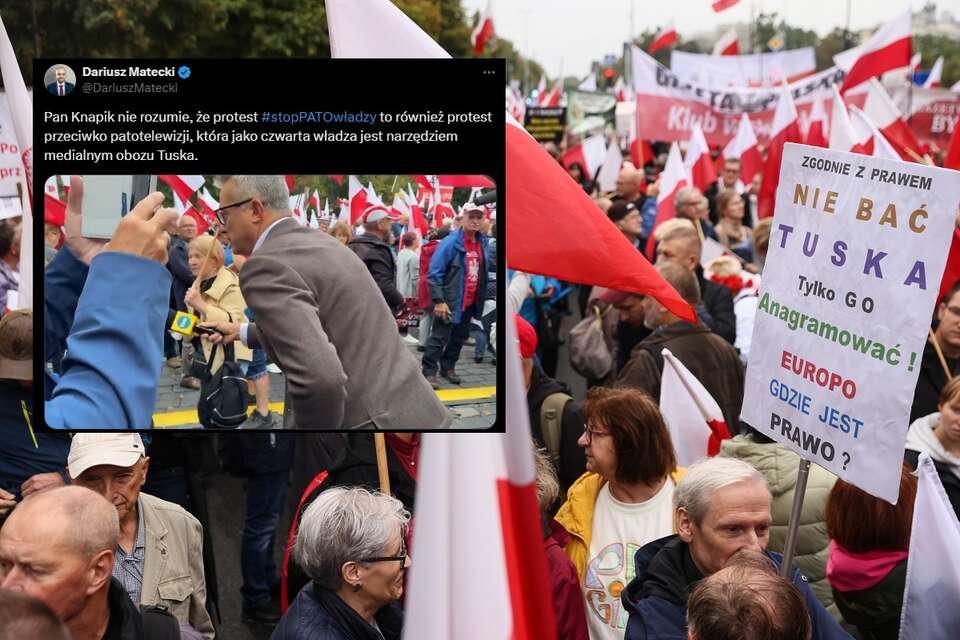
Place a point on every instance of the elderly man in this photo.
(321, 319)
(372, 248)
(708, 357)
(682, 246)
(159, 552)
(58, 546)
(691, 204)
(721, 506)
(729, 179)
(182, 280)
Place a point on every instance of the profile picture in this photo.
(60, 80)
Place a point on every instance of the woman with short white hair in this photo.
(351, 544)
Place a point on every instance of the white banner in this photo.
(750, 70)
(11, 169)
(857, 250)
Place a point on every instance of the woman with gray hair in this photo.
(351, 544)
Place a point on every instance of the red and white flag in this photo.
(664, 38)
(372, 197)
(577, 226)
(337, 179)
(315, 200)
(673, 178)
(552, 99)
(188, 209)
(357, 195)
(208, 206)
(936, 73)
(888, 48)
(879, 108)
(484, 31)
(881, 148)
(744, 147)
(589, 154)
(50, 188)
(296, 206)
(620, 90)
(843, 137)
(728, 44)
(817, 130)
(541, 88)
(345, 215)
(933, 565)
(399, 207)
(54, 209)
(785, 128)
(465, 181)
(183, 186)
(700, 168)
(693, 417)
(720, 5)
(610, 171)
(952, 159)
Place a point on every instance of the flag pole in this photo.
(382, 469)
(794, 528)
(936, 347)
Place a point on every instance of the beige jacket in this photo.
(173, 563)
(227, 305)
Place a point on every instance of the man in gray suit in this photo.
(321, 318)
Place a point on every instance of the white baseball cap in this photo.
(92, 449)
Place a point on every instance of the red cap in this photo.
(375, 212)
(527, 336)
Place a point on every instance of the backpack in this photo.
(589, 354)
(551, 423)
(223, 395)
(159, 624)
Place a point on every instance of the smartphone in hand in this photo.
(107, 199)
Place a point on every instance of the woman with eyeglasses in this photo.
(622, 502)
(351, 544)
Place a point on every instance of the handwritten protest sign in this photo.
(857, 250)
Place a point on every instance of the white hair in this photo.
(683, 193)
(271, 190)
(704, 477)
(345, 524)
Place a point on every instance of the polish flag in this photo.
(337, 179)
(744, 146)
(843, 137)
(933, 80)
(484, 31)
(183, 186)
(785, 128)
(399, 207)
(54, 210)
(315, 200)
(697, 162)
(664, 38)
(345, 216)
(728, 44)
(607, 178)
(208, 206)
(357, 195)
(541, 88)
(693, 417)
(817, 135)
(620, 90)
(952, 159)
(881, 147)
(933, 565)
(888, 48)
(951, 271)
(417, 219)
(552, 99)
(466, 181)
(289, 180)
(372, 197)
(720, 5)
(673, 178)
(296, 206)
(589, 154)
(50, 188)
(187, 209)
(425, 181)
(879, 108)
(577, 228)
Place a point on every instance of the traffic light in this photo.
(609, 76)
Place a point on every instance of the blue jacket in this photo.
(664, 575)
(26, 449)
(448, 275)
(115, 346)
(63, 281)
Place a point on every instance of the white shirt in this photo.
(256, 245)
(619, 530)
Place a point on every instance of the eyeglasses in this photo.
(222, 219)
(589, 433)
(401, 558)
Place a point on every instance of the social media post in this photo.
(234, 290)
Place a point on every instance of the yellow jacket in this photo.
(226, 304)
(576, 515)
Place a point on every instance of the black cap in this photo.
(619, 210)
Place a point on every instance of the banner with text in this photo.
(857, 250)
(545, 124)
(11, 167)
(931, 113)
(768, 69)
(668, 108)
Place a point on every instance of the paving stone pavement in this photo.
(175, 403)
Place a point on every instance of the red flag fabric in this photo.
(951, 272)
(358, 200)
(817, 132)
(673, 178)
(744, 146)
(697, 161)
(786, 128)
(888, 48)
(640, 152)
(465, 181)
(337, 179)
(289, 180)
(484, 31)
(720, 5)
(202, 223)
(952, 159)
(424, 181)
(589, 154)
(728, 44)
(664, 38)
(54, 210)
(882, 111)
(183, 186)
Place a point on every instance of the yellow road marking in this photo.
(170, 419)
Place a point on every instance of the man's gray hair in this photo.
(696, 488)
(271, 190)
(685, 193)
(345, 524)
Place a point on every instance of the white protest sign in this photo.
(857, 250)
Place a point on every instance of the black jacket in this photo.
(127, 622)
(572, 462)
(875, 612)
(319, 614)
(949, 480)
(378, 257)
(719, 303)
(930, 381)
(711, 195)
(182, 277)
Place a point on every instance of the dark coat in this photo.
(665, 573)
(718, 301)
(708, 357)
(949, 480)
(179, 268)
(572, 461)
(875, 612)
(378, 257)
(19, 458)
(423, 288)
(448, 275)
(310, 618)
(711, 195)
(930, 381)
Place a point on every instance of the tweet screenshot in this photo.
(269, 244)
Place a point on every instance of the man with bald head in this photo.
(708, 357)
(58, 546)
(630, 191)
